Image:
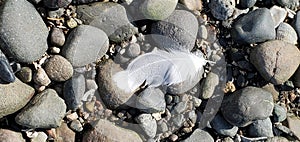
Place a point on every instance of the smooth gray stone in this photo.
(247, 105)
(261, 128)
(14, 96)
(178, 31)
(151, 100)
(148, 124)
(74, 90)
(23, 33)
(279, 113)
(199, 135)
(220, 125)
(256, 26)
(45, 110)
(6, 72)
(178, 120)
(25, 74)
(157, 10)
(57, 37)
(222, 9)
(286, 32)
(109, 17)
(84, 45)
(179, 108)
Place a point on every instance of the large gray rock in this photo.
(14, 96)
(275, 60)
(84, 45)
(157, 9)
(45, 110)
(151, 100)
(109, 17)
(256, 26)
(199, 135)
(178, 31)
(111, 94)
(11, 136)
(23, 34)
(247, 105)
(105, 131)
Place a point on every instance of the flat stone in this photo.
(151, 100)
(109, 17)
(7, 74)
(255, 26)
(199, 134)
(106, 131)
(14, 96)
(222, 9)
(157, 10)
(247, 105)
(45, 110)
(286, 32)
(222, 127)
(84, 45)
(178, 31)
(111, 94)
(74, 90)
(58, 68)
(25, 74)
(148, 124)
(11, 136)
(25, 45)
(276, 60)
(261, 128)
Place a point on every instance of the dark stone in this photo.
(6, 75)
(261, 128)
(74, 90)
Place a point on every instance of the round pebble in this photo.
(25, 74)
(158, 10)
(286, 32)
(133, 50)
(57, 37)
(40, 77)
(58, 68)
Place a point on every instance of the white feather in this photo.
(159, 68)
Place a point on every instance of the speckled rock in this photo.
(148, 124)
(25, 74)
(58, 68)
(57, 37)
(158, 10)
(192, 4)
(11, 136)
(45, 110)
(40, 77)
(7, 74)
(111, 95)
(247, 3)
(256, 26)
(56, 3)
(74, 90)
(221, 126)
(279, 68)
(109, 17)
(107, 131)
(286, 32)
(20, 44)
(14, 96)
(84, 45)
(259, 104)
(261, 128)
(178, 31)
(151, 100)
(199, 134)
(222, 9)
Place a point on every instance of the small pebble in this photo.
(57, 37)
(76, 126)
(41, 78)
(58, 68)
(25, 74)
(133, 50)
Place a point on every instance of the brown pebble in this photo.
(57, 37)
(58, 68)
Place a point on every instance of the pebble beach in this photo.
(149, 71)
